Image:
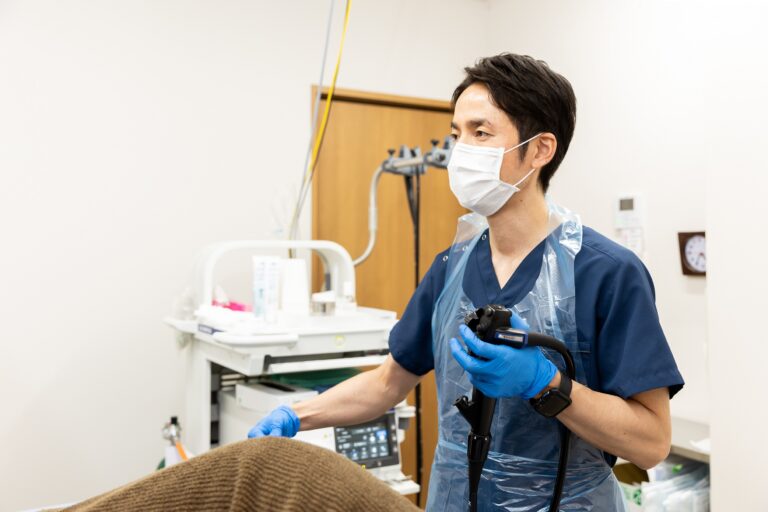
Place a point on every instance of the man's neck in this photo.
(520, 225)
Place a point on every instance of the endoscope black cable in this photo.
(542, 340)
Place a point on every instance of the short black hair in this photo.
(535, 98)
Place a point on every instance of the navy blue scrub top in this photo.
(615, 313)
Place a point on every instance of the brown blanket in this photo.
(271, 473)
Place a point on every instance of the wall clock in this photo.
(693, 253)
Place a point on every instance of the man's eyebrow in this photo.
(474, 123)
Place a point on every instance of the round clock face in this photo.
(696, 253)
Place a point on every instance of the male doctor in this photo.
(513, 122)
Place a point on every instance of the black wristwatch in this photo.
(555, 400)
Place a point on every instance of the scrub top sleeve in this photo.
(633, 353)
(410, 341)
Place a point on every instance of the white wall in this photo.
(131, 135)
(735, 160)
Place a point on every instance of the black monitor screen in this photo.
(372, 444)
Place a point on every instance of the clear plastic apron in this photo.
(519, 474)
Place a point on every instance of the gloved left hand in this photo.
(282, 422)
(507, 371)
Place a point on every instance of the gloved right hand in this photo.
(282, 422)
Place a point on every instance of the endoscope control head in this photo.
(492, 325)
(484, 321)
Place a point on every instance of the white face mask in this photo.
(474, 176)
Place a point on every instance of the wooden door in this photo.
(361, 128)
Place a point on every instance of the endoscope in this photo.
(492, 325)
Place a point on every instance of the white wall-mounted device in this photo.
(629, 221)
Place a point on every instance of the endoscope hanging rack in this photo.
(410, 164)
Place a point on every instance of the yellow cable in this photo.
(324, 122)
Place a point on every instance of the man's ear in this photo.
(544, 147)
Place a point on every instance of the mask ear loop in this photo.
(516, 185)
(522, 143)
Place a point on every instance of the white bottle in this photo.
(266, 287)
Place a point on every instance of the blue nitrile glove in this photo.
(508, 371)
(282, 422)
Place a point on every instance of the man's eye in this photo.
(480, 133)
(454, 136)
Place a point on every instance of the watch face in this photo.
(696, 253)
(553, 402)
